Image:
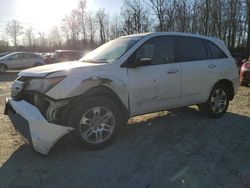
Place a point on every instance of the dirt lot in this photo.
(179, 149)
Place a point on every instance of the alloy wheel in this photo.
(218, 101)
(97, 125)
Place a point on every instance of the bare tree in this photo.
(71, 28)
(29, 36)
(248, 30)
(228, 20)
(115, 27)
(135, 17)
(14, 29)
(159, 8)
(55, 37)
(100, 18)
(42, 41)
(82, 19)
(92, 27)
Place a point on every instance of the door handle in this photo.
(211, 66)
(172, 71)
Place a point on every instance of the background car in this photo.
(245, 74)
(47, 57)
(239, 57)
(4, 53)
(20, 60)
(66, 55)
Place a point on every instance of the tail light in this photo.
(247, 65)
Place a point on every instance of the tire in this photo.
(97, 121)
(218, 102)
(243, 83)
(3, 68)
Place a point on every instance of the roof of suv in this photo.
(173, 33)
(218, 42)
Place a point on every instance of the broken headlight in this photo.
(42, 85)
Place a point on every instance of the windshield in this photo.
(111, 50)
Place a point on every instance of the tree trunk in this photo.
(248, 32)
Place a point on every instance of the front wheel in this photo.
(96, 121)
(218, 102)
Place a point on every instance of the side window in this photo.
(33, 56)
(25, 56)
(13, 57)
(214, 51)
(159, 49)
(190, 49)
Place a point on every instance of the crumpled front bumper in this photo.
(28, 120)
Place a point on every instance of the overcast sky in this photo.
(44, 14)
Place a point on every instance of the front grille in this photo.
(36, 99)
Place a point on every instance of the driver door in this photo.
(156, 84)
(13, 61)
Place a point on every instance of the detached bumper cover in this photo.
(28, 120)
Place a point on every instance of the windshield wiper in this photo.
(89, 61)
(92, 61)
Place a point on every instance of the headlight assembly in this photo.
(42, 85)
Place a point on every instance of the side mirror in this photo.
(144, 61)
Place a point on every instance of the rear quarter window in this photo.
(214, 52)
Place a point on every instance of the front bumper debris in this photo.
(28, 120)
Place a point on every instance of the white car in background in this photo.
(20, 60)
(132, 75)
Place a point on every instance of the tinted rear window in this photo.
(190, 49)
(214, 51)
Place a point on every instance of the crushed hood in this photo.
(44, 70)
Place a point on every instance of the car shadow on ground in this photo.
(179, 149)
(8, 76)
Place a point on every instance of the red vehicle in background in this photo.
(245, 73)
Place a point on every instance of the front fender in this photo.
(73, 87)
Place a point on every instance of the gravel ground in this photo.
(178, 148)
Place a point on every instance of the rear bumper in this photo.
(245, 77)
(28, 120)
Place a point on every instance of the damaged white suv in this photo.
(136, 74)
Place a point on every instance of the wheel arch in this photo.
(101, 91)
(229, 85)
(4, 65)
(37, 64)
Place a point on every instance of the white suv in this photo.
(136, 74)
(20, 60)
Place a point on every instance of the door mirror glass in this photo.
(143, 61)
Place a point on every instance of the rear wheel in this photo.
(3, 68)
(218, 102)
(96, 121)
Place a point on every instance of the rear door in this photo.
(154, 86)
(199, 71)
(25, 60)
(28, 60)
